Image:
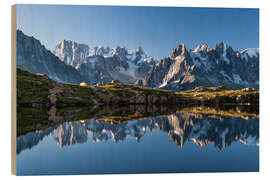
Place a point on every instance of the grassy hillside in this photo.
(43, 103)
(38, 90)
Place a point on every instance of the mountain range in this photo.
(204, 66)
(104, 64)
(184, 68)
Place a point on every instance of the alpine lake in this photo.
(137, 139)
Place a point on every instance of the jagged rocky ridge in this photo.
(74, 63)
(181, 128)
(102, 65)
(204, 66)
(184, 69)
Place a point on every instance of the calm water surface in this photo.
(168, 144)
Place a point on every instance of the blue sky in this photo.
(157, 29)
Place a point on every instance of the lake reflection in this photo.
(179, 142)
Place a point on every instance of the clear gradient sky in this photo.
(157, 29)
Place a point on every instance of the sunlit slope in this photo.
(39, 90)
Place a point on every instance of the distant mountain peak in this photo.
(252, 52)
(222, 45)
(140, 50)
(180, 50)
(184, 69)
(201, 47)
(206, 66)
(101, 64)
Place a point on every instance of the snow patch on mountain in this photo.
(163, 84)
(225, 54)
(204, 66)
(117, 62)
(250, 52)
(199, 61)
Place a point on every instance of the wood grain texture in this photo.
(13, 90)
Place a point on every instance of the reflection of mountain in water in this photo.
(180, 127)
(31, 139)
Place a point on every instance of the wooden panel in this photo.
(13, 89)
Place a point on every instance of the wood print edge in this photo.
(13, 89)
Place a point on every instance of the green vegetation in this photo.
(37, 89)
(213, 94)
(221, 95)
(42, 103)
(32, 88)
(129, 90)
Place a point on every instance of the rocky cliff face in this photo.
(184, 69)
(73, 62)
(103, 64)
(71, 53)
(204, 66)
(32, 56)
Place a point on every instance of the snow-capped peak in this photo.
(251, 52)
(124, 64)
(201, 47)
